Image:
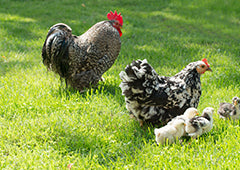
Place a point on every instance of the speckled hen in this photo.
(82, 60)
(157, 99)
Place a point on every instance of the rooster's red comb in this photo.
(205, 61)
(115, 16)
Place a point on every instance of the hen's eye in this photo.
(203, 66)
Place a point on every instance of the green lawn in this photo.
(44, 126)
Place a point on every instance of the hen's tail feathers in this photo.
(55, 48)
(139, 81)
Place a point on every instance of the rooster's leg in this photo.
(62, 79)
(66, 83)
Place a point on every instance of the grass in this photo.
(44, 126)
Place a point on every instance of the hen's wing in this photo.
(55, 48)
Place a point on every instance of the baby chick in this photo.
(188, 114)
(230, 111)
(169, 133)
(199, 125)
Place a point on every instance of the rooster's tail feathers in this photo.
(55, 48)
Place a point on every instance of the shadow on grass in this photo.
(8, 66)
(105, 88)
(96, 139)
(169, 25)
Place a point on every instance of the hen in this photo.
(157, 99)
(230, 111)
(82, 60)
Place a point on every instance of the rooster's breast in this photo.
(99, 46)
(93, 53)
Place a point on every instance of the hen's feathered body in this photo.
(158, 99)
(81, 60)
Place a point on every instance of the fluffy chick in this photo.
(230, 111)
(188, 114)
(197, 126)
(169, 133)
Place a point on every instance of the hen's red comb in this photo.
(115, 16)
(205, 61)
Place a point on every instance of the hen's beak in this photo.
(197, 113)
(209, 69)
(235, 103)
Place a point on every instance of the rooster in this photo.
(157, 99)
(82, 60)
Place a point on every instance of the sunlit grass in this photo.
(45, 126)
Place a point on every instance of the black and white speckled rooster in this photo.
(82, 60)
(157, 99)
